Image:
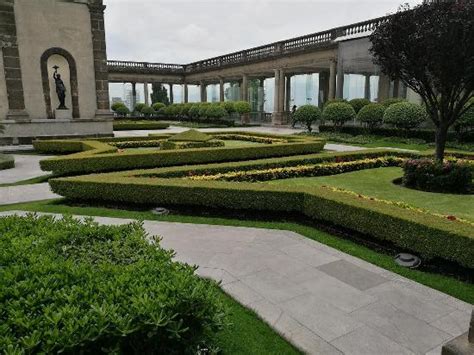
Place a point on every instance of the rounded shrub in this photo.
(228, 106)
(430, 175)
(147, 111)
(390, 102)
(193, 111)
(371, 115)
(122, 111)
(405, 115)
(338, 113)
(116, 105)
(184, 109)
(307, 115)
(242, 107)
(157, 106)
(334, 101)
(216, 111)
(139, 106)
(358, 104)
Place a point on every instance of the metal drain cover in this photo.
(160, 211)
(408, 260)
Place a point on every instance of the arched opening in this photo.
(59, 56)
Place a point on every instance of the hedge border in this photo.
(425, 234)
(6, 162)
(98, 156)
(131, 126)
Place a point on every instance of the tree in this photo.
(307, 115)
(430, 49)
(159, 94)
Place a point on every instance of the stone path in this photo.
(322, 300)
(26, 193)
(26, 167)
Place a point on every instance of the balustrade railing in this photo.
(276, 49)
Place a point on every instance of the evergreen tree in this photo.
(159, 94)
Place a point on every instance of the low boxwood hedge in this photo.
(130, 125)
(429, 235)
(101, 160)
(75, 287)
(6, 162)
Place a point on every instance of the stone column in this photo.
(340, 80)
(134, 95)
(332, 80)
(281, 92)
(276, 117)
(185, 88)
(203, 88)
(221, 90)
(287, 107)
(171, 95)
(384, 88)
(323, 93)
(145, 90)
(11, 63)
(244, 91)
(261, 107)
(96, 9)
(367, 87)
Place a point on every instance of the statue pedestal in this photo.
(63, 114)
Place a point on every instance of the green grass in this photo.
(234, 144)
(446, 284)
(378, 183)
(35, 180)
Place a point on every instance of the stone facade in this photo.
(35, 36)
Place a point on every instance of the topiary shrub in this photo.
(216, 111)
(338, 113)
(334, 101)
(228, 106)
(358, 104)
(193, 111)
(122, 111)
(116, 105)
(430, 175)
(184, 109)
(147, 111)
(75, 287)
(405, 115)
(465, 124)
(139, 106)
(390, 102)
(157, 106)
(307, 115)
(242, 107)
(6, 162)
(371, 115)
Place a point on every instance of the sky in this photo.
(183, 31)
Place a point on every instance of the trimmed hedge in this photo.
(130, 125)
(170, 145)
(429, 235)
(102, 160)
(6, 162)
(74, 287)
(405, 115)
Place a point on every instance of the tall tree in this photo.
(159, 94)
(430, 48)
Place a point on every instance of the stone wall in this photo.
(46, 24)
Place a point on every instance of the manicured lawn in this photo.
(234, 144)
(378, 183)
(446, 284)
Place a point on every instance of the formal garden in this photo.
(80, 285)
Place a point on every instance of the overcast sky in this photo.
(179, 31)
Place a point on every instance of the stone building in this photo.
(35, 37)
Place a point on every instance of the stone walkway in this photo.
(322, 300)
(26, 193)
(26, 167)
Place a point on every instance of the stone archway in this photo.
(73, 80)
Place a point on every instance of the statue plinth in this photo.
(63, 114)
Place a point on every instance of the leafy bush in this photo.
(6, 162)
(171, 145)
(405, 115)
(228, 106)
(466, 122)
(242, 107)
(216, 111)
(371, 115)
(190, 136)
(338, 114)
(116, 105)
(147, 111)
(157, 106)
(130, 125)
(122, 111)
(429, 175)
(194, 111)
(307, 115)
(334, 101)
(139, 106)
(358, 104)
(389, 102)
(73, 286)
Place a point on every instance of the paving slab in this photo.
(26, 193)
(26, 167)
(320, 299)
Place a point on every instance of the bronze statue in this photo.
(60, 89)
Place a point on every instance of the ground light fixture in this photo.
(408, 260)
(160, 211)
